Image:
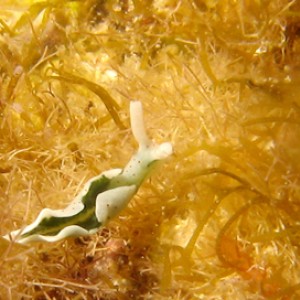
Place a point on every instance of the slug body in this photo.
(102, 197)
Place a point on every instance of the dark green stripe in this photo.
(86, 218)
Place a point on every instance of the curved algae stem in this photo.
(225, 153)
(210, 171)
(227, 226)
(110, 104)
(223, 232)
(188, 250)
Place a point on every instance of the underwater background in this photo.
(220, 80)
